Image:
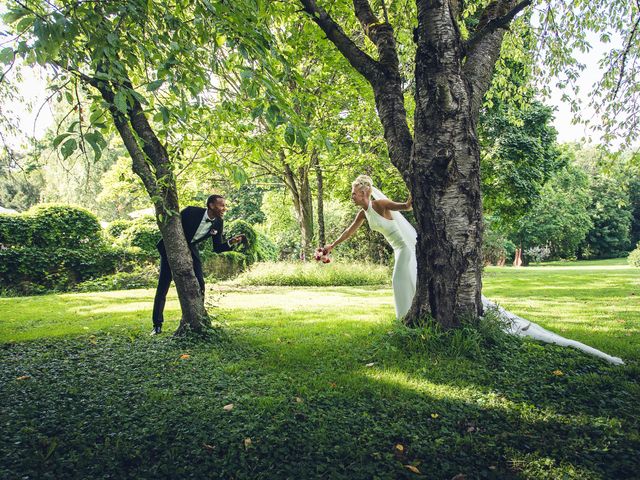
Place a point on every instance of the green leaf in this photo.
(94, 139)
(68, 147)
(14, 15)
(6, 55)
(58, 140)
(95, 115)
(290, 135)
(165, 115)
(153, 86)
(328, 144)
(256, 112)
(120, 101)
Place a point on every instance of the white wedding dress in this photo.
(402, 237)
(405, 268)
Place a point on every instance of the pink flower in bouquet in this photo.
(319, 253)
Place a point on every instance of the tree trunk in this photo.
(319, 178)
(440, 162)
(445, 178)
(161, 187)
(303, 202)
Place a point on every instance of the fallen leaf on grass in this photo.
(23, 377)
(434, 415)
(558, 373)
(370, 364)
(184, 356)
(399, 448)
(247, 443)
(299, 400)
(208, 447)
(413, 469)
(460, 476)
(228, 408)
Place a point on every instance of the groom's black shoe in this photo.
(156, 330)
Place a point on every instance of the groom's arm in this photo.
(220, 245)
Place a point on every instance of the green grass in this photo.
(315, 274)
(324, 383)
(597, 304)
(583, 263)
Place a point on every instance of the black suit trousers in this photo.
(164, 281)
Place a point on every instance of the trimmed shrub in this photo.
(15, 229)
(62, 226)
(53, 247)
(257, 248)
(116, 227)
(266, 250)
(634, 257)
(225, 265)
(248, 248)
(143, 236)
(54, 269)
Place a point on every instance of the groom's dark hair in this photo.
(212, 199)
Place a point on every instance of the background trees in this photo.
(208, 96)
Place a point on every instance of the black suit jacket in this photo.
(191, 218)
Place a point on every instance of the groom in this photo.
(198, 225)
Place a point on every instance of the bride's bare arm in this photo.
(351, 229)
(396, 206)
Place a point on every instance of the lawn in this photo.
(322, 383)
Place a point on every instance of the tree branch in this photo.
(483, 49)
(380, 33)
(363, 63)
(626, 53)
(492, 23)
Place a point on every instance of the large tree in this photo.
(457, 45)
(145, 67)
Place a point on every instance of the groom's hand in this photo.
(237, 239)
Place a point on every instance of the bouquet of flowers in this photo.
(321, 255)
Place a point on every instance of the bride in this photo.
(384, 216)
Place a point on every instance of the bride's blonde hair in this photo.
(363, 182)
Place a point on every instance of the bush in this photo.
(266, 250)
(15, 230)
(538, 254)
(62, 226)
(634, 257)
(225, 265)
(257, 248)
(496, 248)
(53, 247)
(54, 269)
(116, 227)
(249, 248)
(316, 274)
(143, 235)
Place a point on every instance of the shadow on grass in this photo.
(316, 393)
(303, 407)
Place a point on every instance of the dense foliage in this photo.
(52, 247)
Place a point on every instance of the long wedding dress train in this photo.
(401, 236)
(519, 326)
